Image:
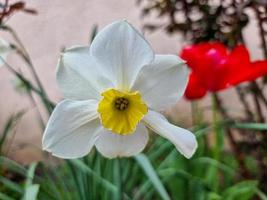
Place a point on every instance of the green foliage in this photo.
(143, 161)
(253, 126)
(244, 190)
(160, 173)
(8, 128)
(30, 190)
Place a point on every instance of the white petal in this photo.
(123, 51)
(72, 129)
(163, 82)
(112, 145)
(4, 50)
(184, 141)
(79, 76)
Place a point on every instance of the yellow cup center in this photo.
(121, 111)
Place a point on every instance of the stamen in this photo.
(121, 103)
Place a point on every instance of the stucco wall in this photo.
(63, 23)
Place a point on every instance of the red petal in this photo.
(207, 61)
(214, 70)
(257, 69)
(195, 90)
(240, 53)
(219, 47)
(238, 65)
(239, 59)
(190, 55)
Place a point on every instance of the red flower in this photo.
(195, 89)
(242, 69)
(213, 68)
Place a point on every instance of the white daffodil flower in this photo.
(114, 90)
(4, 50)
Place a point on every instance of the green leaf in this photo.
(12, 121)
(244, 190)
(12, 166)
(253, 126)
(86, 169)
(145, 164)
(213, 162)
(117, 175)
(11, 185)
(214, 196)
(5, 197)
(31, 192)
(30, 174)
(261, 195)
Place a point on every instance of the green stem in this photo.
(120, 186)
(218, 134)
(238, 154)
(196, 113)
(32, 100)
(242, 97)
(255, 91)
(24, 54)
(47, 103)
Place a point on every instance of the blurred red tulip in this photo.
(213, 68)
(195, 89)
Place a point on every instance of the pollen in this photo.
(120, 111)
(121, 103)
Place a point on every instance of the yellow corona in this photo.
(120, 111)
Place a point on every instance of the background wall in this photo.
(62, 23)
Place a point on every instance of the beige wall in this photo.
(63, 23)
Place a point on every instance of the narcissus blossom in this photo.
(214, 68)
(113, 91)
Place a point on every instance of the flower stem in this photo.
(255, 91)
(242, 98)
(238, 154)
(24, 54)
(47, 103)
(120, 178)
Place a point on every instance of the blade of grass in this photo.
(261, 195)
(145, 164)
(11, 185)
(8, 127)
(117, 177)
(31, 190)
(5, 197)
(215, 163)
(86, 169)
(252, 126)
(30, 174)
(12, 166)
